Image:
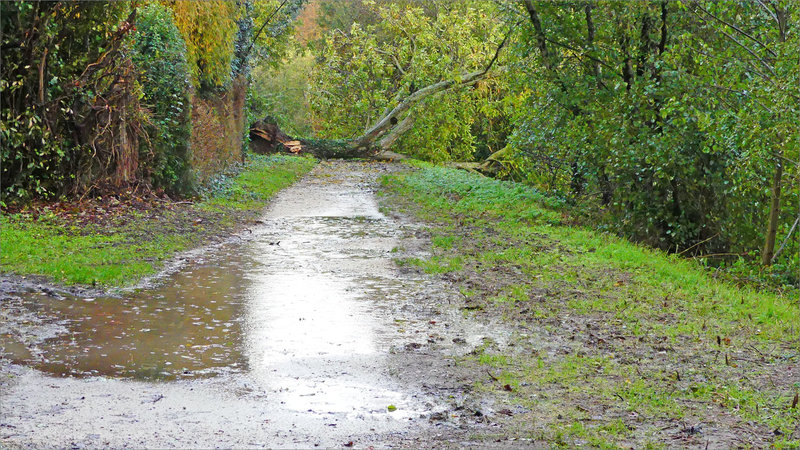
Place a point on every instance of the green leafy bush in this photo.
(668, 128)
(60, 61)
(160, 55)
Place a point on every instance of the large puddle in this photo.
(191, 326)
(305, 304)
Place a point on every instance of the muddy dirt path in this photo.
(300, 332)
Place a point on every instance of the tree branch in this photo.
(752, 53)
(389, 120)
(499, 48)
(771, 13)
(662, 44)
(394, 59)
(739, 30)
(541, 38)
(785, 240)
(585, 54)
(385, 123)
(397, 131)
(107, 57)
(748, 49)
(266, 22)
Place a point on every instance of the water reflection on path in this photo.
(312, 331)
(189, 327)
(300, 306)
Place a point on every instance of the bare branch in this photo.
(788, 235)
(767, 65)
(500, 48)
(748, 49)
(769, 11)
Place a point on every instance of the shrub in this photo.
(159, 53)
(54, 91)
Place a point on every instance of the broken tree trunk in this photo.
(492, 166)
(267, 137)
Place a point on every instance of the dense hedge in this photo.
(99, 95)
(160, 55)
(63, 79)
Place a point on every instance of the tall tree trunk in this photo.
(606, 189)
(775, 203)
(541, 39)
(774, 215)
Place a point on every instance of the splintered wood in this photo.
(293, 146)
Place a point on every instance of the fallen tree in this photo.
(267, 137)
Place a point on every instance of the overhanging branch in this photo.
(264, 25)
(390, 120)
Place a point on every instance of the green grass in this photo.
(261, 179)
(135, 246)
(530, 237)
(33, 248)
(650, 335)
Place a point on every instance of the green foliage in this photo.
(274, 44)
(660, 121)
(46, 122)
(280, 93)
(160, 55)
(264, 35)
(664, 121)
(340, 15)
(209, 29)
(371, 67)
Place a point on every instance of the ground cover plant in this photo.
(614, 344)
(116, 239)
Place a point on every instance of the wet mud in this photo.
(300, 332)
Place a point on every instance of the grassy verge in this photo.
(114, 242)
(613, 344)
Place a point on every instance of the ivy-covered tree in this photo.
(159, 54)
(69, 108)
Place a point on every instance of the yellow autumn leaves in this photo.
(209, 29)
